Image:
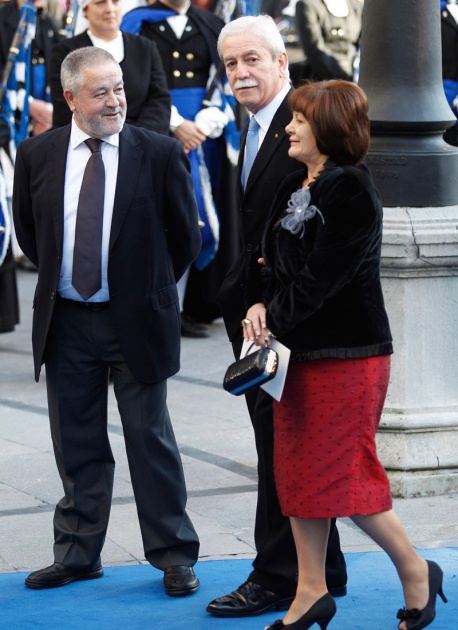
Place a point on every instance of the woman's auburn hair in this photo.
(338, 113)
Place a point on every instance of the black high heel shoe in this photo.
(416, 619)
(322, 611)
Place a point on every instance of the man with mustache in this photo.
(106, 211)
(256, 64)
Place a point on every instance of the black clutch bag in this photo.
(251, 371)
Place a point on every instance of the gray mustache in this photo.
(245, 83)
(112, 110)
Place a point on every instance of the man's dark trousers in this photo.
(81, 348)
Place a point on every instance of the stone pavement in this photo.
(217, 447)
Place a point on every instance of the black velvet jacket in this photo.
(322, 289)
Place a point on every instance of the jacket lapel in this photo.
(271, 143)
(130, 156)
(240, 163)
(56, 165)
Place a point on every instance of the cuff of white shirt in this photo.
(175, 119)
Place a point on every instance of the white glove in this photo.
(211, 121)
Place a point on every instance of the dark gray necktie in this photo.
(87, 254)
(251, 149)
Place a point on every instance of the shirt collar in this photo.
(78, 136)
(100, 43)
(265, 115)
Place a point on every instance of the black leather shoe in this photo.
(249, 599)
(59, 575)
(191, 328)
(180, 580)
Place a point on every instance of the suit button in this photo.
(53, 296)
(190, 57)
(176, 54)
(190, 75)
(249, 247)
(176, 73)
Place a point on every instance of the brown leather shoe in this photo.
(180, 580)
(249, 599)
(59, 575)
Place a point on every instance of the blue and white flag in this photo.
(15, 104)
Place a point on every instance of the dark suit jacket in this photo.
(154, 238)
(145, 83)
(271, 165)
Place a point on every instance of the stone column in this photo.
(416, 173)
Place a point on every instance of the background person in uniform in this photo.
(257, 68)
(314, 284)
(145, 83)
(126, 321)
(9, 300)
(186, 37)
(329, 31)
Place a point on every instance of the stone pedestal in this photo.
(418, 436)
(416, 174)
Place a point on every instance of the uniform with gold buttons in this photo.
(186, 60)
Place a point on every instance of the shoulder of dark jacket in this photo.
(335, 170)
(147, 135)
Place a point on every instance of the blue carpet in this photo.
(132, 598)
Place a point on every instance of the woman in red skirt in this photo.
(315, 285)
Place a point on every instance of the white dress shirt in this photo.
(77, 156)
(265, 116)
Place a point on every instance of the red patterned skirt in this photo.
(325, 456)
